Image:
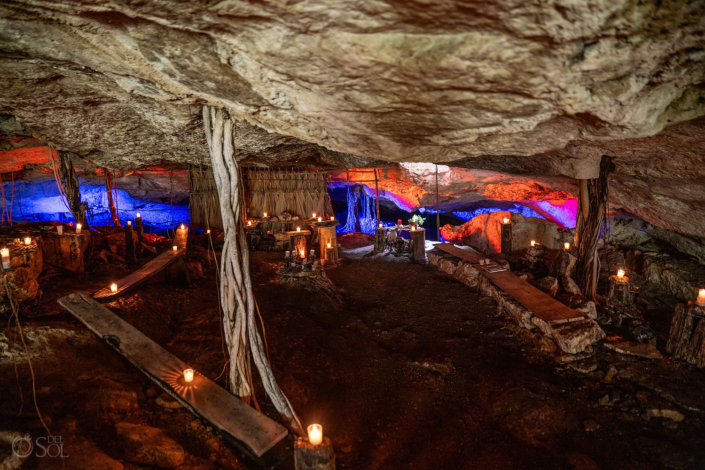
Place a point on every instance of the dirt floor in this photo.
(405, 368)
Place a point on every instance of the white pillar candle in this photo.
(620, 274)
(314, 215)
(188, 375)
(27, 241)
(567, 246)
(298, 229)
(113, 287)
(320, 219)
(315, 434)
(138, 215)
(60, 229)
(332, 217)
(78, 228)
(175, 247)
(701, 296)
(5, 258)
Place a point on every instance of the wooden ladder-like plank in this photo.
(151, 268)
(541, 304)
(252, 431)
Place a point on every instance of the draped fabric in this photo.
(296, 192)
(368, 219)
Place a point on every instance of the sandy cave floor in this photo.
(411, 370)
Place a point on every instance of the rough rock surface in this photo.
(148, 445)
(531, 88)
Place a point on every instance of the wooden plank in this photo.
(151, 268)
(252, 431)
(541, 304)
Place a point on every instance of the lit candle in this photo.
(620, 274)
(380, 225)
(398, 221)
(700, 301)
(78, 228)
(567, 246)
(129, 222)
(249, 222)
(175, 247)
(328, 245)
(314, 215)
(27, 241)
(506, 221)
(182, 226)
(138, 215)
(265, 214)
(113, 287)
(533, 242)
(332, 217)
(413, 228)
(315, 434)
(5, 258)
(320, 219)
(298, 229)
(303, 253)
(188, 375)
(208, 231)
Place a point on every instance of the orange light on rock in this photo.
(567, 246)
(315, 434)
(27, 241)
(701, 298)
(188, 375)
(533, 242)
(113, 287)
(5, 258)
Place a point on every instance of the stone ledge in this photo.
(572, 337)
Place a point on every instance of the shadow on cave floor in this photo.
(410, 370)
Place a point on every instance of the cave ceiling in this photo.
(520, 87)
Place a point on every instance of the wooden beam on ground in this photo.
(253, 432)
(538, 302)
(148, 270)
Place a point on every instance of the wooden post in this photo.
(310, 457)
(506, 239)
(109, 179)
(380, 239)
(686, 340)
(376, 198)
(331, 256)
(129, 246)
(140, 235)
(418, 245)
(438, 214)
(328, 235)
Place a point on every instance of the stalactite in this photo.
(593, 194)
(237, 298)
(70, 187)
(111, 202)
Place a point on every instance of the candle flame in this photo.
(113, 287)
(175, 247)
(702, 292)
(182, 226)
(328, 245)
(303, 253)
(249, 222)
(138, 215)
(27, 241)
(298, 229)
(315, 434)
(533, 242)
(320, 219)
(129, 222)
(265, 214)
(188, 375)
(332, 218)
(208, 231)
(5, 252)
(567, 246)
(314, 215)
(620, 273)
(506, 221)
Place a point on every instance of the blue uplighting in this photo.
(517, 209)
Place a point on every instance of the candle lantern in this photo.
(5, 258)
(27, 241)
(315, 434)
(78, 228)
(700, 301)
(188, 375)
(113, 287)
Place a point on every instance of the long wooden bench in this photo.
(151, 268)
(252, 431)
(538, 302)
